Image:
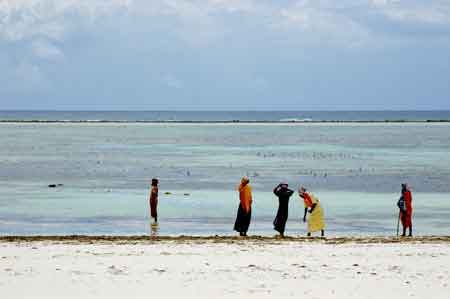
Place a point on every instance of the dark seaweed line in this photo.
(71, 239)
(226, 121)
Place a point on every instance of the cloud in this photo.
(112, 48)
(202, 22)
(415, 12)
(27, 19)
(321, 23)
(33, 32)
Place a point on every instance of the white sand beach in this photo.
(224, 268)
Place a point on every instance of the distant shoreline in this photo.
(222, 122)
(90, 239)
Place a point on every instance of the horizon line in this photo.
(220, 110)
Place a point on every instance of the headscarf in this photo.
(244, 182)
(245, 194)
(155, 182)
(306, 197)
(405, 187)
(301, 191)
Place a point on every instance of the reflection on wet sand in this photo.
(154, 229)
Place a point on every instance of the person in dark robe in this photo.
(283, 193)
(154, 201)
(406, 210)
(244, 213)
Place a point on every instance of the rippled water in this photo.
(355, 169)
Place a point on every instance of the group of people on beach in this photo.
(311, 203)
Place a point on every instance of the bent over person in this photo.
(244, 213)
(312, 206)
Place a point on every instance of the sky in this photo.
(224, 55)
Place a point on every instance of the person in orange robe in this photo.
(244, 213)
(406, 211)
(154, 200)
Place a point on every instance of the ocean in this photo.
(217, 116)
(355, 169)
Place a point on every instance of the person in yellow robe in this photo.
(312, 206)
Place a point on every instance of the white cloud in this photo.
(414, 12)
(42, 29)
(38, 27)
(202, 22)
(26, 19)
(321, 23)
(238, 6)
(418, 15)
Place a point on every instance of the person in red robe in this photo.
(154, 200)
(406, 210)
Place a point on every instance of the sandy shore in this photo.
(213, 267)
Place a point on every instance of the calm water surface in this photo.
(355, 169)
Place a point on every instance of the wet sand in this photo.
(223, 267)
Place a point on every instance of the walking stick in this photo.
(398, 222)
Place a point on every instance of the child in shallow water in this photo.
(154, 201)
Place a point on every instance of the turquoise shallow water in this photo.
(355, 170)
(207, 212)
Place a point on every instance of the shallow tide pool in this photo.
(355, 169)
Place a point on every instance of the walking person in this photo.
(283, 193)
(154, 201)
(405, 206)
(244, 213)
(313, 207)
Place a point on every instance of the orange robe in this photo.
(244, 213)
(307, 200)
(245, 197)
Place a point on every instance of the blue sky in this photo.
(224, 54)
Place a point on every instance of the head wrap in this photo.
(154, 182)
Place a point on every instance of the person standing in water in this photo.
(154, 201)
(312, 206)
(244, 213)
(405, 205)
(283, 193)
